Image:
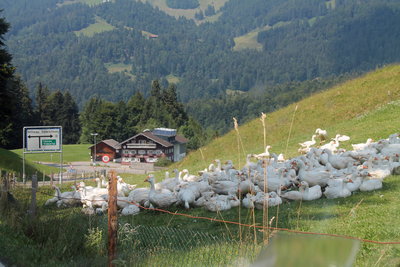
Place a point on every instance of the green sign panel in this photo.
(49, 142)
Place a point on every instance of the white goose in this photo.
(307, 144)
(263, 155)
(320, 178)
(336, 189)
(310, 193)
(161, 199)
(321, 134)
(187, 195)
(362, 146)
(369, 184)
(130, 210)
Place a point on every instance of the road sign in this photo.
(43, 139)
(105, 159)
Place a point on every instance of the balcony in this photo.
(137, 145)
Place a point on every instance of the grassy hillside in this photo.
(187, 13)
(98, 27)
(365, 107)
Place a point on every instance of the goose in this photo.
(394, 138)
(103, 181)
(292, 195)
(228, 166)
(189, 177)
(275, 181)
(337, 161)
(225, 187)
(336, 189)
(362, 146)
(160, 199)
(246, 186)
(271, 199)
(263, 155)
(248, 201)
(274, 199)
(219, 203)
(353, 182)
(90, 190)
(123, 188)
(320, 178)
(321, 134)
(130, 210)
(341, 138)
(332, 146)
(205, 196)
(55, 198)
(139, 195)
(380, 171)
(249, 164)
(69, 198)
(89, 199)
(369, 184)
(307, 144)
(310, 193)
(170, 183)
(186, 195)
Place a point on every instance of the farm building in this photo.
(109, 147)
(148, 146)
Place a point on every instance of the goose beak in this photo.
(369, 175)
(350, 181)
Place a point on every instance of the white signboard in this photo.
(43, 139)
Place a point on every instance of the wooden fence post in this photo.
(51, 179)
(112, 218)
(33, 198)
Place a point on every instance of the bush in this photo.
(163, 162)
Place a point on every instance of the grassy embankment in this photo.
(12, 160)
(361, 108)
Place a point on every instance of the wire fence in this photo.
(164, 246)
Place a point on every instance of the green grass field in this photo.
(365, 107)
(188, 13)
(87, 2)
(173, 79)
(98, 27)
(70, 153)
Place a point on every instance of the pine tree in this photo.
(15, 104)
(90, 119)
(42, 93)
(70, 120)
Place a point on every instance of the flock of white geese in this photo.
(322, 170)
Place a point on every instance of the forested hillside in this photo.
(114, 49)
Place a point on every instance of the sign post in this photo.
(42, 139)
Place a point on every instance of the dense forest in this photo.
(300, 41)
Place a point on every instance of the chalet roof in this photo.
(151, 136)
(181, 139)
(110, 142)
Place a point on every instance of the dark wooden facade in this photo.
(108, 148)
(145, 147)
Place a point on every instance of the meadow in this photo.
(367, 107)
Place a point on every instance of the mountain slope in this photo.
(314, 39)
(361, 108)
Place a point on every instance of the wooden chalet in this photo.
(148, 146)
(108, 147)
